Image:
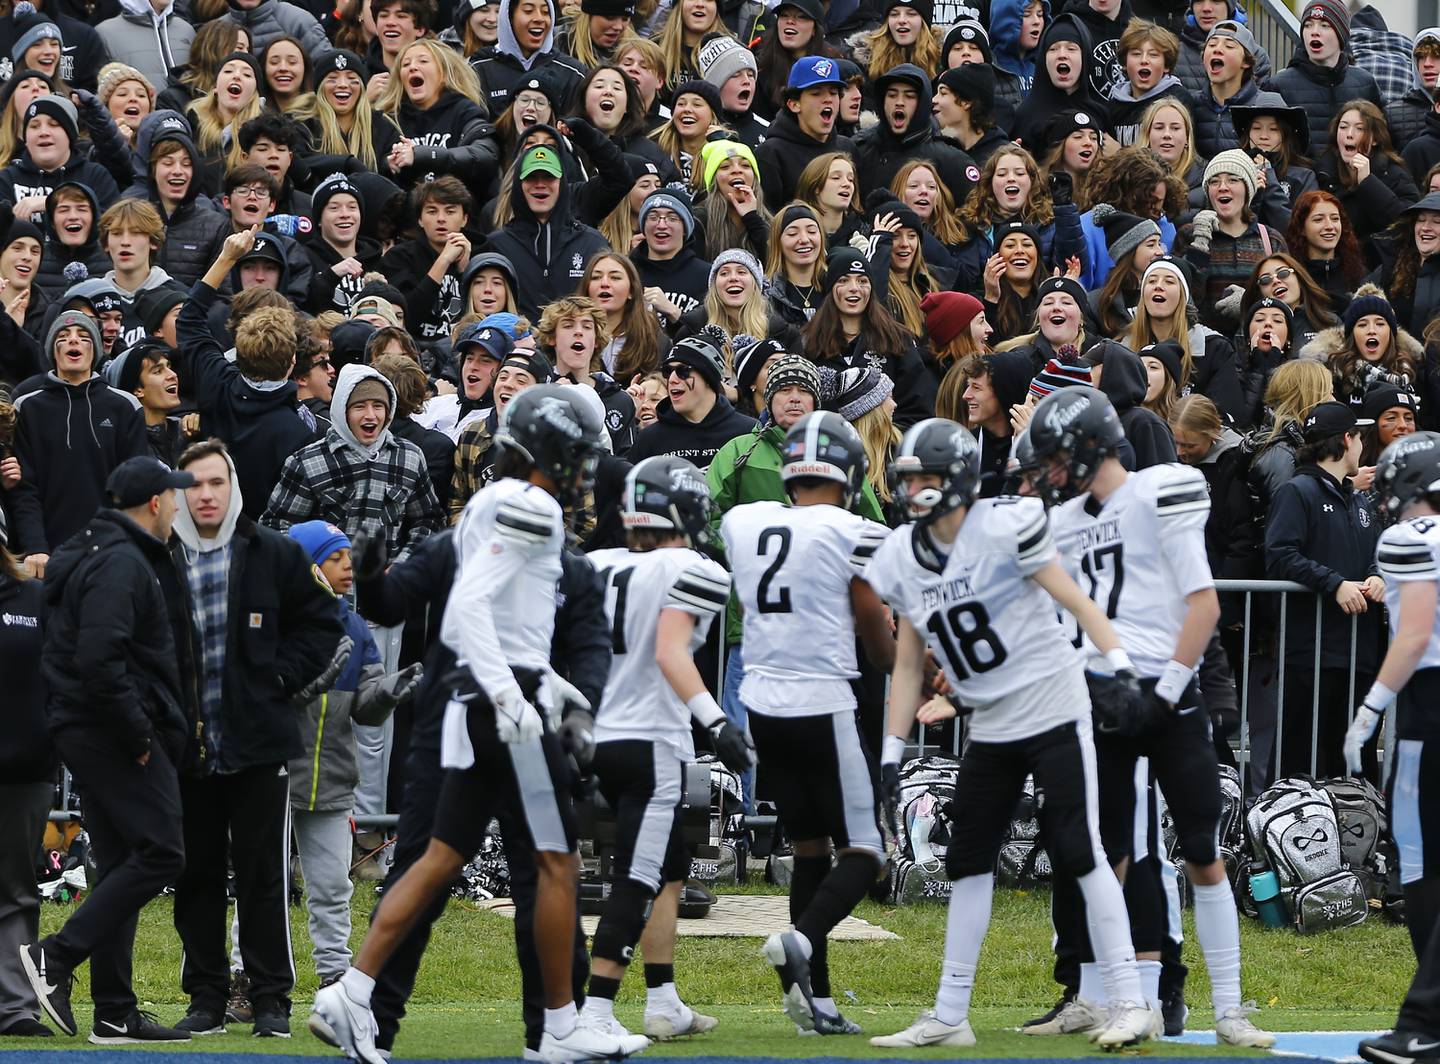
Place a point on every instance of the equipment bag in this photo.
(1293, 829)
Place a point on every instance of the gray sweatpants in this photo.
(324, 843)
(23, 808)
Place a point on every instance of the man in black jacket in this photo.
(675, 277)
(1322, 533)
(695, 420)
(264, 625)
(805, 129)
(427, 269)
(906, 131)
(118, 714)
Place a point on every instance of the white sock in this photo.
(827, 1006)
(662, 998)
(603, 1008)
(1150, 982)
(1092, 984)
(672, 995)
(1109, 926)
(804, 943)
(560, 1023)
(966, 922)
(1218, 929)
(358, 985)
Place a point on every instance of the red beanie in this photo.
(948, 314)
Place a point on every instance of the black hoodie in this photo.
(1107, 65)
(684, 279)
(431, 310)
(1125, 381)
(329, 292)
(63, 265)
(82, 53)
(451, 137)
(1010, 376)
(786, 152)
(695, 442)
(879, 153)
(1045, 101)
(26, 755)
(550, 256)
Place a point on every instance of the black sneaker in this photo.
(51, 985)
(1059, 1007)
(203, 1019)
(238, 1009)
(271, 1023)
(836, 1024)
(1175, 1013)
(139, 1028)
(25, 1027)
(1401, 1047)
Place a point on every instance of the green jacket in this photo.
(734, 482)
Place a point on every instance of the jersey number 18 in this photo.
(966, 639)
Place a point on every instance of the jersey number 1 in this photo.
(966, 639)
(619, 583)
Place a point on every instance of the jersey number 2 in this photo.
(966, 639)
(781, 602)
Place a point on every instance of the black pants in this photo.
(244, 816)
(1297, 721)
(396, 981)
(132, 813)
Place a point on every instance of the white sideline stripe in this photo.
(1338, 1046)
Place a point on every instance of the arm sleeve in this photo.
(26, 508)
(867, 542)
(422, 578)
(199, 350)
(423, 515)
(310, 627)
(111, 151)
(106, 629)
(1285, 536)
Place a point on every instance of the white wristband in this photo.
(1379, 697)
(892, 750)
(1118, 659)
(705, 709)
(1174, 678)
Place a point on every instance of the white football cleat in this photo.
(927, 1031)
(662, 1025)
(1128, 1024)
(339, 1020)
(1077, 1017)
(1233, 1028)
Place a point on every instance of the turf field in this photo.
(465, 1005)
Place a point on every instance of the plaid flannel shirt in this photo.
(1388, 56)
(473, 460)
(208, 574)
(327, 480)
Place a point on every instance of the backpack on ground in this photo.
(927, 787)
(1360, 812)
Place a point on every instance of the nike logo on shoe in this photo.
(1417, 1046)
(118, 1028)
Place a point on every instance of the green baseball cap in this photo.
(541, 159)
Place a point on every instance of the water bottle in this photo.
(1265, 889)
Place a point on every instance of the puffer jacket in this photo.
(1406, 117)
(1374, 203)
(1351, 389)
(1214, 126)
(63, 265)
(270, 19)
(324, 777)
(1322, 90)
(152, 42)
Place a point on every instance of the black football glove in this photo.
(732, 746)
(577, 736)
(1062, 188)
(890, 794)
(367, 554)
(1120, 706)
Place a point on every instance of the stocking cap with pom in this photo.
(31, 26)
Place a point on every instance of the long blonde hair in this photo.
(752, 319)
(1295, 387)
(1182, 167)
(775, 257)
(671, 39)
(583, 48)
(359, 142)
(905, 291)
(942, 223)
(1142, 332)
(880, 437)
(885, 54)
(456, 75)
(211, 129)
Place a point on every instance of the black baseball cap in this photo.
(138, 480)
(1382, 397)
(1331, 419)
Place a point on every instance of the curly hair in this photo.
(1347, 252)
(981, 211)
(1127, 180)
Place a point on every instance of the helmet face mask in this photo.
(936, 471)
(557, 436)
(1071, 433)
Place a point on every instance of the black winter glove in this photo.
(733, 747)
(1062, 188)
(367, 555)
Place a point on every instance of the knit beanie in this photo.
(971, 81)
(1368, 300)
(329, 188)
(1169, 355)
(58, 108)
(703, 89)
(1071, 287)
(320, 539)
(1332, 11)
(338, 60)
(720, 57)
(367, 389)
(750, 355)
(123, 371)
(1171, 265)
(1123, 232)
(796, 212)
(1235, 162)
(924, 8)
(31, 26)
(967, 29)
(1004, 229)
(64, 320)
(792, 370)
(716, 152)
(701, 355)
(859, 391)
(744, 258)
(843, 261)
(676, 200)
(1060, 373)
(948, 314)
(1268, 303)
(609, 8)
(113, 75)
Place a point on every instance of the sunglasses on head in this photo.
(681, 370)
(1279, 275)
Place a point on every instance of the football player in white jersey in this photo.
(1137, 542)
(1408, 480)
(978, 581)
(798, 580)
(496, 746)
(661, 597)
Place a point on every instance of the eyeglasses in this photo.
(679, 369)
(1279, 275)
(251, 192)
(322, 363)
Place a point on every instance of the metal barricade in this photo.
(1276, 29)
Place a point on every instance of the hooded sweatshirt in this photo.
(1406, 116)
(696, 442)
(451, 136)
(1010, 374)
(64, 265)
(82, 53)
(1045, 100)
(785, 154)
(880, 153)
(1107, 65)
(550, 256)
(68, 437)
(383, 485)
(501, 66)
(150, 41)
(1125, 381)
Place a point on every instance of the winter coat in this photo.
(500, 67)
(1329, 276)
(261, 426)
(1014, 71)
(1323, 90)
(23, 178)
(431, 310)
(438, 449)
(1045, 100)
(324, 777)
(880, 153)
(1059, 241)
(1229, 261)
(1322, 532)
(26, 755)
(786, 152)
(1190, 68)
(1216, 374)
(151, 43)
(68, 438)
(82, 53)
(696, 442)
(329, 292)
(1125, 382)
(1423, 151)
(62, 262)
(1126, 109)
(685, 279)
(282, 630)
(1406, 118)
(1375, 202)
(451, 137)
(1387, 55)
(110, 658)
(1214, 125)
(913, 372)
(384, 135)
(1230, 541)
(1096, 261)
(269, 19)
(1351, 389)
(1106, 67)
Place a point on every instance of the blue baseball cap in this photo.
(494, 339)
(815, 70)
(319, 538)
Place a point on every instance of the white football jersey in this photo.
(638, 702)
(501, 612)
(1138, 556)
(994, 630)
(1409, 552)
(793, 566)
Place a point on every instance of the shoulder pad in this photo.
(1182, 497)
(1407, 549)
(702, 588)
(528, 517)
